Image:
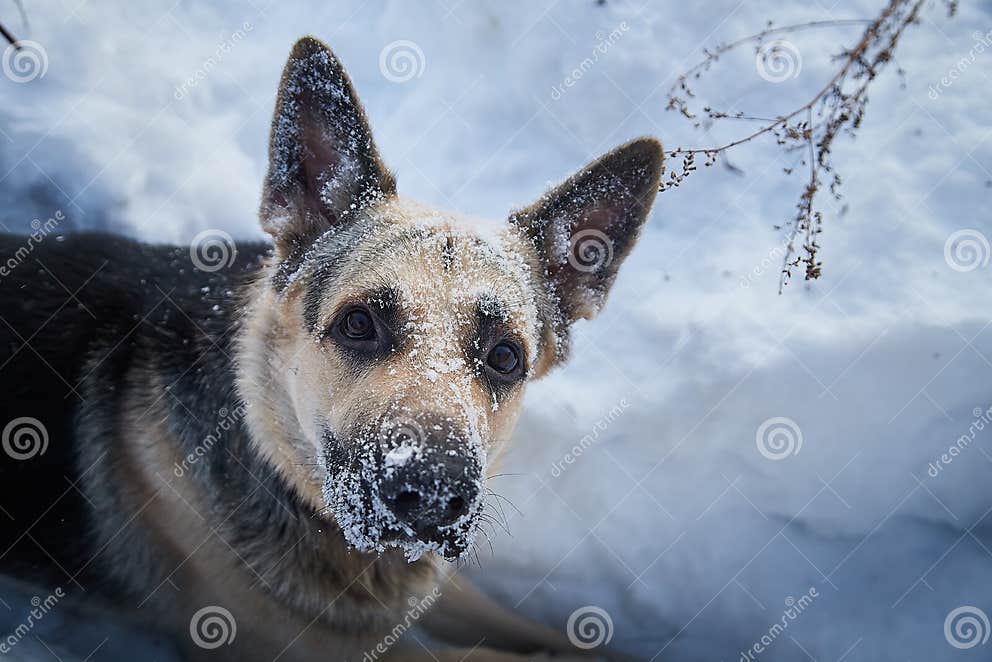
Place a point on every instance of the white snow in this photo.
(399, 456)
(672, 521)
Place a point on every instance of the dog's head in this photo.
(392, 345)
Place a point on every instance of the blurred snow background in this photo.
(672, 521)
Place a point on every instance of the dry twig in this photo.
(837, 108)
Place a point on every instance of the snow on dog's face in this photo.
(399, 338)
(421, 333)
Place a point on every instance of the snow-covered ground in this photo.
(152, 120)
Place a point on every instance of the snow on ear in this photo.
(323, 164)
(584, 228)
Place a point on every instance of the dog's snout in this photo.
(429, 493)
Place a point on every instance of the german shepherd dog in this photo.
(298, 441)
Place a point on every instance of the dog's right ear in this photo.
(323, 164)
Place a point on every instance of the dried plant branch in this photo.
(838, 107)
(24, 20)
(9, 37)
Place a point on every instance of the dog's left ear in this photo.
(323, 164)
(584, 228)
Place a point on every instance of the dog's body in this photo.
(298, 436)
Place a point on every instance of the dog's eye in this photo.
(358, 325)
(504, 358)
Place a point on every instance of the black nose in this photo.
(424, 496)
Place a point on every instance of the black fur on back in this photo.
(78, 315)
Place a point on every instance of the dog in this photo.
(295, 447)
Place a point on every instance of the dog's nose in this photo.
(425, 495)
(414, 507)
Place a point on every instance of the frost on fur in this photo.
(447, 280)
(323, 164)
(584, 228)
(354, 477)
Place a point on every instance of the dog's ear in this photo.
(323, 164)
(584, 228)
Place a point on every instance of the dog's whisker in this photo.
(499, 516)
(493, 526)
(494, 520)
(489, 541)
(504, 474)
(485, 518)
(502, 514)
(503, 498)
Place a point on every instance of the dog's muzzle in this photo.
(412, 484)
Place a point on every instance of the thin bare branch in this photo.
(838, 107)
